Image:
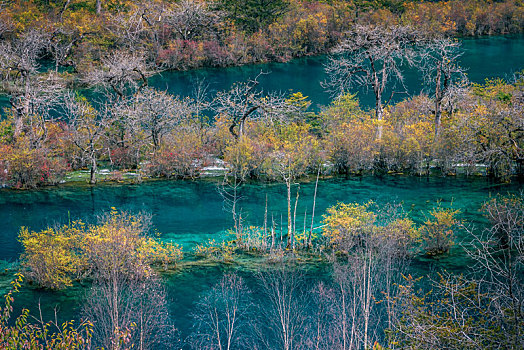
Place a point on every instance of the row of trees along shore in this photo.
(452, 125)
(368, 298)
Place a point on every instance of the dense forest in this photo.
(76, 97)
(188, 34)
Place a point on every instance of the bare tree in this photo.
(499, 256)
(229, 190)
(481, 310)
(239, 103)
(141, 28)
(284, 308)
(372, 57)
(30, 92)
(60, 45)
(157, 113)
(287, 163)
(5, 24)
(368, 266)
(98, 7)
(244, 101)
(201, 106)
(127, 311)
(86, 127)
(121, 73)
(440, 69)
(308, 242)
(191, 19)
(222, 316)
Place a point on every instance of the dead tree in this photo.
(222, 316)
(239, 103)
(130, 311)
(438, 63)
(229, 190)
(499, 253)
(86, 127)
(61, 44)
(158, 113)
(29, 91)
(191, 19)
(121, 73)
(5, 24)
(284, 308)
(371, 57)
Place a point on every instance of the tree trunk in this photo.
(295, 219)
(98, 6)
(92, 179)
(438, 100)
(379, 112)
(313, 212)
(272, 233)
(289, 222)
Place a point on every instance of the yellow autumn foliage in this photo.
(55, 257)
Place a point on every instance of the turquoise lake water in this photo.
(483, 58)
(191, 212)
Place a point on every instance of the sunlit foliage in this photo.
(121, 244)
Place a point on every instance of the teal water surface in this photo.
(483, 58)
(487, 57)
(191, 212)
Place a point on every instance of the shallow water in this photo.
(191, 212)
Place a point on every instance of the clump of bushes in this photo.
(348, 225)
(22, 334)
(183, 156)
(119, 244)
(216, 251)
(24, 167)
(437, 231)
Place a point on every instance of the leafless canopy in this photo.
(239, 103)
(131, 312)
(158, 112)
(29, 91)
(284, 313)
(5, 25)
(20, 56)
(191, 18)
(244, 100)
(371, 57)
(438, 63)
(221, 317)
(440, 53)
(121, 72)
